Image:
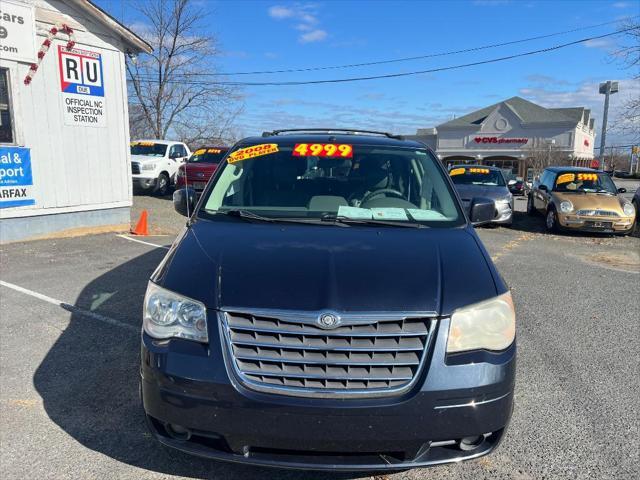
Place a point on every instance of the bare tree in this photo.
(138, 125)
(542, 156)
(170, 94)
(629, 54)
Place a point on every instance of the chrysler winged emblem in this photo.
(328, 320)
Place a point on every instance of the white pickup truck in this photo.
(154, 164)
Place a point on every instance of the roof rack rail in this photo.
(347, 131)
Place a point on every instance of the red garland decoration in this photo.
(44, 48)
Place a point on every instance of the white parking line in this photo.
(69, 307)
(126, 237)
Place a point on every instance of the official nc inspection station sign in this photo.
(16, 181)
(82, 87)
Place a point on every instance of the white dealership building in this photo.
(511, 133)
(64, 128)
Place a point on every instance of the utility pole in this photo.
(606, 89)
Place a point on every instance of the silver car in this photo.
(484, 181)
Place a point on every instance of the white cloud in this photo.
(621, 5)
(313, 36)
(585, 94)
(306, 17)
(603, 43)
(280, 12)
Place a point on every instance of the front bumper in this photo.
(189, 385)
(595, 223)
(144, 183)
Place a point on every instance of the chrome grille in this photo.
(369, 355)
(135, 167)
(597, 213)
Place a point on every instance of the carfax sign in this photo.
(16, 181)
(82, 86)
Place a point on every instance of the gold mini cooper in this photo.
(580, 199)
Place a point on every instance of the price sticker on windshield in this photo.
(143, 144)
(456, 171)
(482, 171)
(199, 152)
(214, 150)
(252, 152)
(565, 178)
(323, 150)
(588, 177)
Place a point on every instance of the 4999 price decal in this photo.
(323, 150)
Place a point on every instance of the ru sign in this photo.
(80, 71)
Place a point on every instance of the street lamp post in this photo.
(606, 89)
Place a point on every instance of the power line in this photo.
(400, 74)
(418, 57)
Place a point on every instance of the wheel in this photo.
(530, 208)
(551, 221)
(162, 185)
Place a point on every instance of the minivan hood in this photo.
(467, 192)
(236, 264)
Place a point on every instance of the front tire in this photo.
(162, 185)
(551, 221)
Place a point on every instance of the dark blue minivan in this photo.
(329, 306)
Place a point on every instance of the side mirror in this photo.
(512, 182)
(184, 201)
(483, 210)
(543, 188)
(622, 190)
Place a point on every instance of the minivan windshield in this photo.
(584, 182)
(148, 148)
(338, 182)
(476, 176)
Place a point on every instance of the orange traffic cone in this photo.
(141, 226)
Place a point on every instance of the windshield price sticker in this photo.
(213, 150)
(252, 152)
(323, 150)
(461, 171)
(199, 151)
(565, 178)
(588, 176)
(143, 144)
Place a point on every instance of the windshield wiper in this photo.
(250, 216)
(245, 214)
(367, 221)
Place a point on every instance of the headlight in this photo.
(167, 314)
(148, 166)
(503, 204)
(628, 209)
(488, 325)
(566, 206)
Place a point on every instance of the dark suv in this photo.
(329, 306)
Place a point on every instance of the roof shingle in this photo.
(528, 112)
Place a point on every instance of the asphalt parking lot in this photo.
(69, 355)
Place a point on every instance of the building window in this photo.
(6, 120)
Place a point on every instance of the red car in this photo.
(197, 171)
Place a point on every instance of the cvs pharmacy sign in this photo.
(80, 71)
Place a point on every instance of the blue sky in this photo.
(266, 35)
